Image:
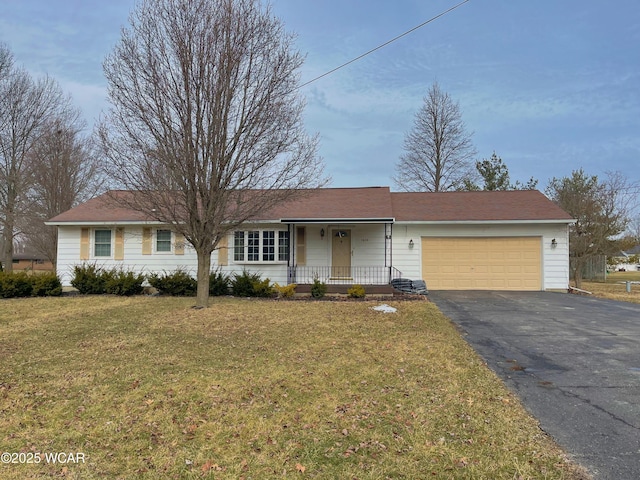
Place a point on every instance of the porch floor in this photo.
(342, 289)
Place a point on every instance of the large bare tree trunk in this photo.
(7, 250)
(204, 269)
(577, 272)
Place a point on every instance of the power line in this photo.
(384, 44)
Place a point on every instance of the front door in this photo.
(341, 253)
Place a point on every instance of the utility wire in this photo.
(384, 44)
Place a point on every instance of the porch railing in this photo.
(343, 275)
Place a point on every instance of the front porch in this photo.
(375, 280)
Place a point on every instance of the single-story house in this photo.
(628, 260)
(504, 240)
(28, 260)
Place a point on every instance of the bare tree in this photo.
(206, 121)
(633, 231)
(25, 105)
(6, 60)
(438, 150)
(6, 64)
(65, 172)
(600, 209)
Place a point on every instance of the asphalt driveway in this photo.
(574, 362)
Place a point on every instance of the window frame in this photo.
(157, 241)
(284, 246)
(261, 246)
(96, 244)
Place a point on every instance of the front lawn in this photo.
(147, 387)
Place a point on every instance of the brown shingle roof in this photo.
(336, 203)
(519, 205)
(368, 203)
(102, 209)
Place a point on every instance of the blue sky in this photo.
(550, 86)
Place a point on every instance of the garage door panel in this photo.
(482, 263)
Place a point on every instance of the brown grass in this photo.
(615, 287)
(150, 388)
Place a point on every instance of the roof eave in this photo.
(338, 220)
(83, 223)
(485, 222)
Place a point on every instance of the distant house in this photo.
(24, 260)
(506, 240)
(628, 260)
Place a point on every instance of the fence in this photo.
(594, 269)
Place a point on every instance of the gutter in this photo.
(485, 222)
(337, 220)
(102, 223)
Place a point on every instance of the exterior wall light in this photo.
(554, 244)
(322, 233)
(411, 243)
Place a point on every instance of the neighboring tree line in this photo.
(439, 156)
(46, 164)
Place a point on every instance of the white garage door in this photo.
(495, 263)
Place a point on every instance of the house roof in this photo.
(513, 205)
(367, 204)
(104, 209)
(633, 251)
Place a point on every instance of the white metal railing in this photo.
(337, 275)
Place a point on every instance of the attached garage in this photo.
(482, 263)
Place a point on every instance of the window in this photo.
(268, 246)
(253, 246)
(283, 246)
(163, 240)
(261, 246)
(102, 243)
(238, 246)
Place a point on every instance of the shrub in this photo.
(17, 284)
(218, 284)
(91, 279)
(250, 285)
(356, 291)
(46, 285)
(318, 289)
(178, 284)
(263, 288)
(285, 291)
(88, 279)
(242, 285)
(119, 282)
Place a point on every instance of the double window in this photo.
(261, 246)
